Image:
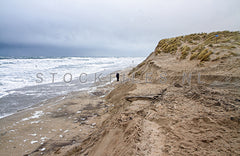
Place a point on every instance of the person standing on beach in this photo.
(117, 76)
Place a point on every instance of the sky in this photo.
(106, 27)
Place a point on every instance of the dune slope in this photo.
(161, 114)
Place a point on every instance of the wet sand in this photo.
(59, 121)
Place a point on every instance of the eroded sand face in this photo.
(133, 119)
(141, 118)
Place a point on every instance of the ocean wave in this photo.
(19, 72)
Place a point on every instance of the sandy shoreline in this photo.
(174, 117)
(59, 119)
(131, 119)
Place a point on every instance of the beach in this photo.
(129, 118)
(29, 81)
(33, 114)
(184, 102)
(57, 122)
(119, 78)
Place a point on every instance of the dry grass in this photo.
(202, 53)
(217, 58)
(197, 44)
(198, 48)
(227, 47)
(206, 56)
(194, 55)
(184, 54)
(185, 51)
(233, 54)
(237, 43)
(138, 73)
(225, 56)
(225, 40)
(168, 45)
(141, 64)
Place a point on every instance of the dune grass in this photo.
(206, 57)
(185, 51)
(194, 55)
(200, 46)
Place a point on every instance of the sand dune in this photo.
(161, 117)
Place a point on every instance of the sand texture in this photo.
(163, 116)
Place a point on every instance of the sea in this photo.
(27, 81)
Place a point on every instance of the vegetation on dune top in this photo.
(201, 46)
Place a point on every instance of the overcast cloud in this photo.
(106, 27)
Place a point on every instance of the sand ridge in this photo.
(155, 118)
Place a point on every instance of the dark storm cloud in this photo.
(96, 27)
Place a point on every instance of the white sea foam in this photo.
(18, 87)
(18, 73)
(35, 115)
(34, 141)
(33, 134)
